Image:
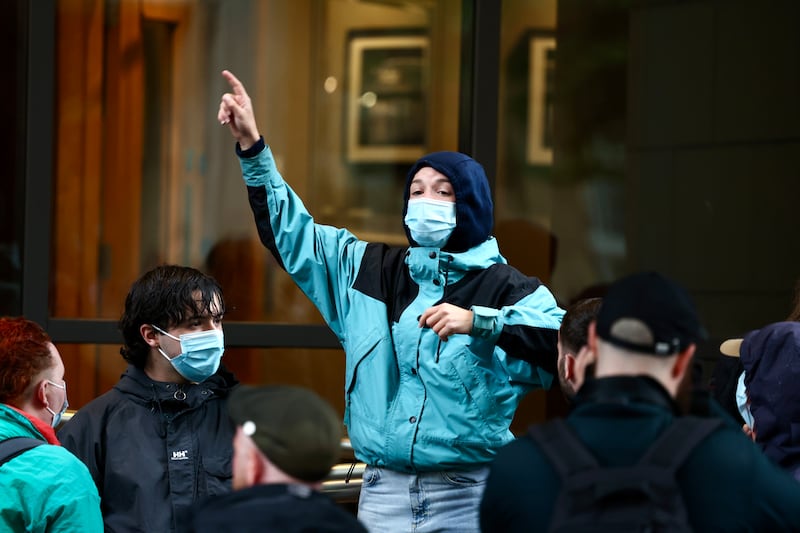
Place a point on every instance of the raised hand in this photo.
(236, 112)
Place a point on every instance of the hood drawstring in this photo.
(162, 430)
(444, 291)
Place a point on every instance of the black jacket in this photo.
(277, 508)
(727, 483)
(154, 452)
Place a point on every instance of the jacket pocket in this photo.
(371, 380)
(217, 472)
(485, 392)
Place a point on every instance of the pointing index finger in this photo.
(233, 81)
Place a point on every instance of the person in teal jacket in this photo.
(442, 338)
(45, 488)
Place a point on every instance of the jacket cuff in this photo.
(252, 151)
(484, 322)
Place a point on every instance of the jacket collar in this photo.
(626, 390)
(39, 425)
(136, 383)
(427, 262)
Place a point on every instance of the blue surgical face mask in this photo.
(430, 222)
(58, 415)
(200, 354)
(743, 403)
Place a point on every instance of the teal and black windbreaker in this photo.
(412, 402)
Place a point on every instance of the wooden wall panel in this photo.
(122, 169)
(79, 133)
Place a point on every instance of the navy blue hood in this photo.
(771, 360)
(474, 211)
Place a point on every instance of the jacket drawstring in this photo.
(446, 274)
(350, 472)
(162, 430)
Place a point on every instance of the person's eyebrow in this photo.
(436, 180)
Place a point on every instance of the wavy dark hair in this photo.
(166, 296)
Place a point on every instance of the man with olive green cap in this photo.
(287, 439)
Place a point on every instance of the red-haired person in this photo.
(43, 487)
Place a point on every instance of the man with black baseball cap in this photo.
(642, 342)
(651, 314)
(287, 439)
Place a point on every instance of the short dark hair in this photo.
(165, 296)
(24, 353)
(575, 324)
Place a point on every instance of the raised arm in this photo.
(236, 111)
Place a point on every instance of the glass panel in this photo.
(386, 92)
(524, 192)
(12, 153)
(347, 95)
(644, 135)
(525, 203)
(320, 370)
(90, 370)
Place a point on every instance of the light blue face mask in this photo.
(430, 222)
(57, 416)
(200, 354)
(742, 403)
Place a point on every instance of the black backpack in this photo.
(641, 497)
(12, 447)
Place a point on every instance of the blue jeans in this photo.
(393, 502)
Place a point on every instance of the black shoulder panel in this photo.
(383, 276)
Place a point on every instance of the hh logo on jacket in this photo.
(180, 455)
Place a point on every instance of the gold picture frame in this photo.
(541, 74)
(387, 97)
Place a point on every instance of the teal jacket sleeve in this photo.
(322, 260)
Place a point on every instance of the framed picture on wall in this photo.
(541, 75)
(387, 97)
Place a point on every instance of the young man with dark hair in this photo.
(160, 440)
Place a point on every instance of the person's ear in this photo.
(258, 467)
(591, 336)
(583, 361)
(682, 362)
(40, 394)
(569, 367)
(149, 334)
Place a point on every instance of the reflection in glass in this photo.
(144, 175)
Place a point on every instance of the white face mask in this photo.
(430, 222)
(60, 413)
(743, 403)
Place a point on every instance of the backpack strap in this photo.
(562, 447)
(673, 447)
(14, 446)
